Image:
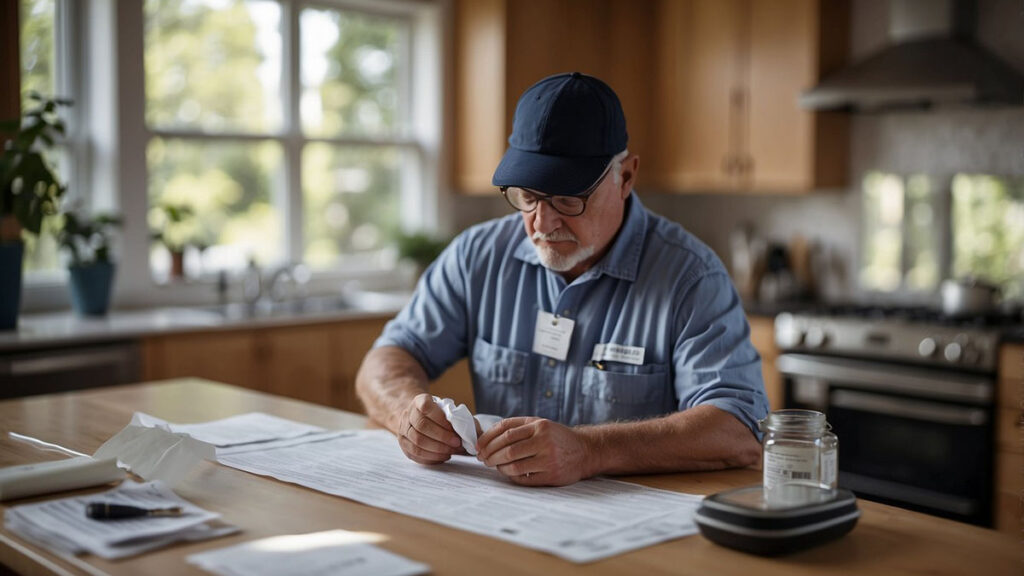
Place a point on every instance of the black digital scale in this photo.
(810, 515)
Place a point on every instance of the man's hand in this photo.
(535, 452)
(425, 434)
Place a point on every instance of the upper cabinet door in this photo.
(709, 87)
(700, 63)
(504, 47)
(790, 149)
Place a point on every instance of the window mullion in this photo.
(293, 142)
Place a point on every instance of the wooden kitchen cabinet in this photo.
(709, 87)
(729, 73)
(228, 357)
(313, 362)
(762, 336)
(502, 47)
(1009, 489)
(308, 362)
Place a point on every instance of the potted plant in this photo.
(420, 249)
(29, 192)
(87, 241)
(174, 226)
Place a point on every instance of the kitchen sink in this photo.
(307, 306)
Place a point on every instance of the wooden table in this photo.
(886, 540)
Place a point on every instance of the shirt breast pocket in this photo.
(612, 395)
(499, 376)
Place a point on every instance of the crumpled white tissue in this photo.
(462, 420)
(154, 452)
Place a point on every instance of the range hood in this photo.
(932, 60)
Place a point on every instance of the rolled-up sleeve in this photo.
(433, 325)
(714, 361)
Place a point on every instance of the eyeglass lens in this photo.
(526, 201)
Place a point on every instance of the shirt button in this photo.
(566, 312)
(551, 362)
(548, 394)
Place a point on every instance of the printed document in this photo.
(241, 429)
(586, 521)
(330, 553)
(62, 525)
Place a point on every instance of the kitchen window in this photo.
(920, 229)
(48, 66)
(296, 131)
(286, 128)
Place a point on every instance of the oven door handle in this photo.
(899, 379)
(902, 408)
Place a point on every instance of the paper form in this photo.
(586, 521)
(62, 524)
(330, 553)
(241, 429)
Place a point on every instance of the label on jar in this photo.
(789, 463)
(828, 467)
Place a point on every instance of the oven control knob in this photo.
(927, 347)
(971, 355)
(787, 333)
(816, 337)
(953, 352)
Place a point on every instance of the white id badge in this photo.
(618, 353)
(552, 335)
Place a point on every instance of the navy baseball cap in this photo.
(566, 130)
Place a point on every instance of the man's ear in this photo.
(630, 167)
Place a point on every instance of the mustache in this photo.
(556, 236)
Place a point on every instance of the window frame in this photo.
(74, 147)
(291, 138)
(941, 204)
(106, 38)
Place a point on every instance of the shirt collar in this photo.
(623, 259)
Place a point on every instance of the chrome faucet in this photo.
(288, 282)
(252, 283)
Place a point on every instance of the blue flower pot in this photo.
(10, 284)
(91, 287)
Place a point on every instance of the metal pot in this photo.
(967, 297)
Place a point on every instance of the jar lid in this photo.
(793, 419)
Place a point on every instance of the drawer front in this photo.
(1011, 362)
(1010, 430)
(1011, 376)
(1009, 495)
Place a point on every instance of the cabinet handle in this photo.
(729, 164)
(747, 165)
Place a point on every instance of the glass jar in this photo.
(800, 451)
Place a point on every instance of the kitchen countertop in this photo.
(886, 540)
(64, 328)
(56, 329)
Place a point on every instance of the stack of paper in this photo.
(250, 428)
(335, 552)
(61, 525)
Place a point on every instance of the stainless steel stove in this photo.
(898, 336)
(909, 393)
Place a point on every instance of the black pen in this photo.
(104, 511)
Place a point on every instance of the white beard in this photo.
(556, 261)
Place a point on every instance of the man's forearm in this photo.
(701, 438)
(387, 382)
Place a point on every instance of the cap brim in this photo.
(555, 175)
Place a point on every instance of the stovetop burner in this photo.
(917, 335)
(1008, 318)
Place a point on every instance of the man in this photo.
(610, 339)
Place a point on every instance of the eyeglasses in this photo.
(526, 200)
